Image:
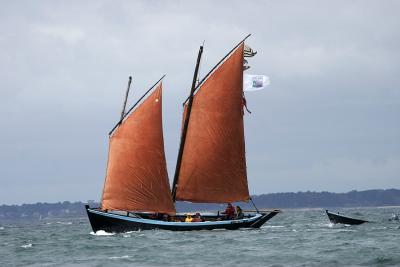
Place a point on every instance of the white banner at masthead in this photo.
(253, 82)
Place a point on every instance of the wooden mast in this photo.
(212, 70)
(126, 98)
(137, 102)
(185, 126)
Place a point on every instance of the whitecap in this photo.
(65, 223)
(1, 228)
(134, 232)
(101, 233)
(347, 230)
(274, 226)
(119, 257)
(27, 246)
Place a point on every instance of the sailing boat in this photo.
(211, 164)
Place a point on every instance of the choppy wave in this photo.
(119, 257)
(292, 238)
(383, 261)
(64, 223)
(101, 233)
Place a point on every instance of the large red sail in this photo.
(213, 165)
(137, 178)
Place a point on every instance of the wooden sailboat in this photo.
(211, 165)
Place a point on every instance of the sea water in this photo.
(292, 238)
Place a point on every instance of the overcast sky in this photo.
(329, 121)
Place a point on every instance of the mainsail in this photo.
(137, 178)
(213, 167)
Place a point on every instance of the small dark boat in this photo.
(337, 218)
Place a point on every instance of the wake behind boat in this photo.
(211, 164)
(337, 218)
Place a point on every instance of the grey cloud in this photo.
(328, 121)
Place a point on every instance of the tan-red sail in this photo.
(137, 178)
(213, 165)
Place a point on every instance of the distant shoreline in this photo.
(301, 200)
(355, 207)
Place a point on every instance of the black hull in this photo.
(116, 223)
(336, 218)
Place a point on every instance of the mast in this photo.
(185, 126)
(126, 98)
(137, 102)
(212, 70)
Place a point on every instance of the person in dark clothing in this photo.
(165, 218)
(197, 218)
(239, 213)
(229, 212)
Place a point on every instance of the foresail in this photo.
(137, 178)
(213, 165)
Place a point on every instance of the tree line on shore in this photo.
(368, 198)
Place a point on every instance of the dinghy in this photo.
(337, 218)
